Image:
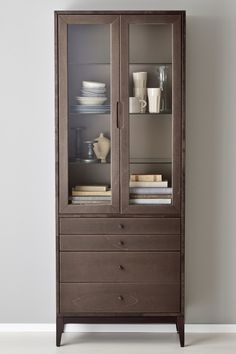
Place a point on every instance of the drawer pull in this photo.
(121, 226)
(121, 243)
(121, 267)
(120, 297)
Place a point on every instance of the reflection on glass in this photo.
(89, 109)
(150, 80)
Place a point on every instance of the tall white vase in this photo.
(101, 147)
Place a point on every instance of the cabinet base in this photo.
(62, 320)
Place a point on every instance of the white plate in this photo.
(100, 92)
(90, 94)
(94, 89)
(91, 100)
(93, 84)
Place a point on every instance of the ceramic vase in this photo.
(101, 147)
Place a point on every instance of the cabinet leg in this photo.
(177, 328)
(180, 329)
(59, 330)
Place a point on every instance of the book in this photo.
(90, 193)
(90, 197)
(149, 184)
(150, 190)
(150, 196)
(91, 188)
(83, 202)
(150, 201)
(145, 178)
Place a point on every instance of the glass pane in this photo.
(89, 167)
(150, 113)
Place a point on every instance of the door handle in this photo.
(119, 115)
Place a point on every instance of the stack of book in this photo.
(149, 189)
(94, 194)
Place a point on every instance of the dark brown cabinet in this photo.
(120, 155)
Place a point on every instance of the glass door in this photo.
(151, 99)
(88, 96)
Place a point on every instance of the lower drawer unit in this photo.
(119, 242)
(119, 298)
(156, 267)
(120, 226)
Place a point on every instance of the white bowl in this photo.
(93, 84)
(91, 100)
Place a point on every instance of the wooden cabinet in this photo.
(120, 144)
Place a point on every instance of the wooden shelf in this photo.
(150, 161)
(169, 114)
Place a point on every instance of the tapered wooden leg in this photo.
(180, 329)
(177, 328)
(59, 329)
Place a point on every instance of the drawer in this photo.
(153, 267)
(119, 242)
(119, 298)
(106, 226)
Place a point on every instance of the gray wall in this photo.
(27, 258)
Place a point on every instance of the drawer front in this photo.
(119, 226)
(153, 267)
(119, 242)
(119, 298)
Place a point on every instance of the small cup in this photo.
(136, 105)
(154, 99)
(141, 93)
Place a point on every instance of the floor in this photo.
(114, 343)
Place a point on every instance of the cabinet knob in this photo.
(121, 243)
(121, 267)
(121, 226)
(120, 297)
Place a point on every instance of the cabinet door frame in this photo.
(63, 20)
(178, 112)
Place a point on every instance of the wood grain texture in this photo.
(121, 226)
(139, 267)
(120, 243)
(119, 298)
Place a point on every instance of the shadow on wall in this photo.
(207, 73)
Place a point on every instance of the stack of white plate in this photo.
(92, 99)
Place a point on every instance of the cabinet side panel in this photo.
(183, 72)
(62, 113)
(56, 161)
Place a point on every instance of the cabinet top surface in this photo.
(107, 12)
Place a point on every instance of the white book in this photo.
(149, 190)
(149, 184)
(92, 188)
(92, 197)
(150, 201)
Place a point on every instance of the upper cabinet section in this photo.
(151, 95)
(120, 112)
(88, 95)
